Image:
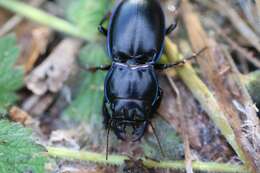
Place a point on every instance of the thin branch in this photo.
(238, 23)
(119, 160)
(235, 46)
(258, 11)
(15, 20)
(10, 24)
(251, 123)
(183, 123)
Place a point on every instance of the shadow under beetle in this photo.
(135, 42)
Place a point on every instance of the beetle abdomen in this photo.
(137, 30)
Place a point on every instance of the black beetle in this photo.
(135, 41)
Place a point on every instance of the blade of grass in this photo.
(41, 17)
(183, 125)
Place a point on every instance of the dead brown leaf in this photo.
(50, 75)
(18, 115)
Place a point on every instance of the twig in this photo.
(183, 123)
(248, 9)
(235, 46)
(15, 20)
(119, 160)
(251, 122)
(238, 23)
(42, 17)
(258, 11)
(10, 24)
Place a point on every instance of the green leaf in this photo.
(88, 102)
(18, 152)
(11, 78)
(86, 15)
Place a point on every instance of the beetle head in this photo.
(129, 118)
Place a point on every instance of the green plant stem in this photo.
(41, 17)
(204, 96)
(86, 156)
(119, 160)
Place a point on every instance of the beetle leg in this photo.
(158, 100)
(107, 122)
(179, 63)
(108, 130)
(101, 28)
(157, 138)
(166, 66)
(175, 24)
(106, 115)
(92, 69)
(171, 28)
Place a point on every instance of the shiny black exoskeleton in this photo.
(135, 39)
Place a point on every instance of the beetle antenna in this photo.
(157, 138)
(108, 130)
